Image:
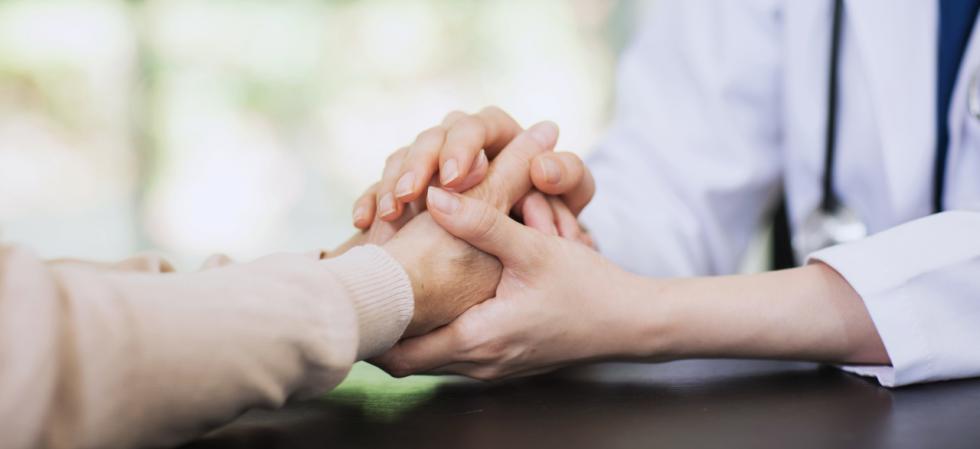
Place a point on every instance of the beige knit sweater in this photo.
(135, 355)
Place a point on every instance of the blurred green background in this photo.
(245, 127)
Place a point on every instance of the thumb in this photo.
(482, 226)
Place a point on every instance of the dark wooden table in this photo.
(690, 404)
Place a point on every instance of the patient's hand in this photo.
(457, 151)
(377, 233)
(448, 275)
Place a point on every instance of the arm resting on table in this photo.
(104, 356)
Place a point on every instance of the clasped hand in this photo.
(514, 299)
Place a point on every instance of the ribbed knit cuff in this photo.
(381, 293)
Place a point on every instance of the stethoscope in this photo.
(833, 223)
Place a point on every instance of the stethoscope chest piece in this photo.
(822, 229)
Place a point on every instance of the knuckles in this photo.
(471, 128)
(395, 157)
(432, 136)
(494, 110)
(483, 223)
(394, 364)
(479, 343)
(367, 197)
(493, 191)
(397, 372)
(452, 116)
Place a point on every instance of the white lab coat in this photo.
(721, 102)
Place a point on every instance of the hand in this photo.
(448, 276)
(461, 145)
(379, 231)
(558, 302)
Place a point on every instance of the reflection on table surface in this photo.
(716, 403)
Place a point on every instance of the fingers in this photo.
(477, 173)
(419, 164)
(508, 178)
(537, 214)
(388, 208)
(564, 174)
(491, 129)
(364, 208)
(451, 118)
(420, 354)
(565, 222)
(482, 226)
(422, 158)
(501, 129)
(550, 215)
(461, 138)
(461, 147)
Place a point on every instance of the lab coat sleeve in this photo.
(920, 282)
(692, 157)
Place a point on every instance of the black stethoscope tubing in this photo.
(830, 202)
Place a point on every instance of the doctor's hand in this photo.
(458, 151)
(558, 302)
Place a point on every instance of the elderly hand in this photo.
(458, 150)
(558, 302)
(448, 276)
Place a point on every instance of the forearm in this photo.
(808, 313)
(151, 359)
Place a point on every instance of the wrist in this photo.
(652, 326)
(379, 291)
(405, 254)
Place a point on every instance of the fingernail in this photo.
(405, 185)
(449, 172)
(386, 205)
(443, 201)
(358, 214)
(551, 171)
(544, 133)
(481, 160)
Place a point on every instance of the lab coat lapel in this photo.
(896, 42)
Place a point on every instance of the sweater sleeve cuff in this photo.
(381, 293)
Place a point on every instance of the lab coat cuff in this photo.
(895, 272)
(862, 264)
